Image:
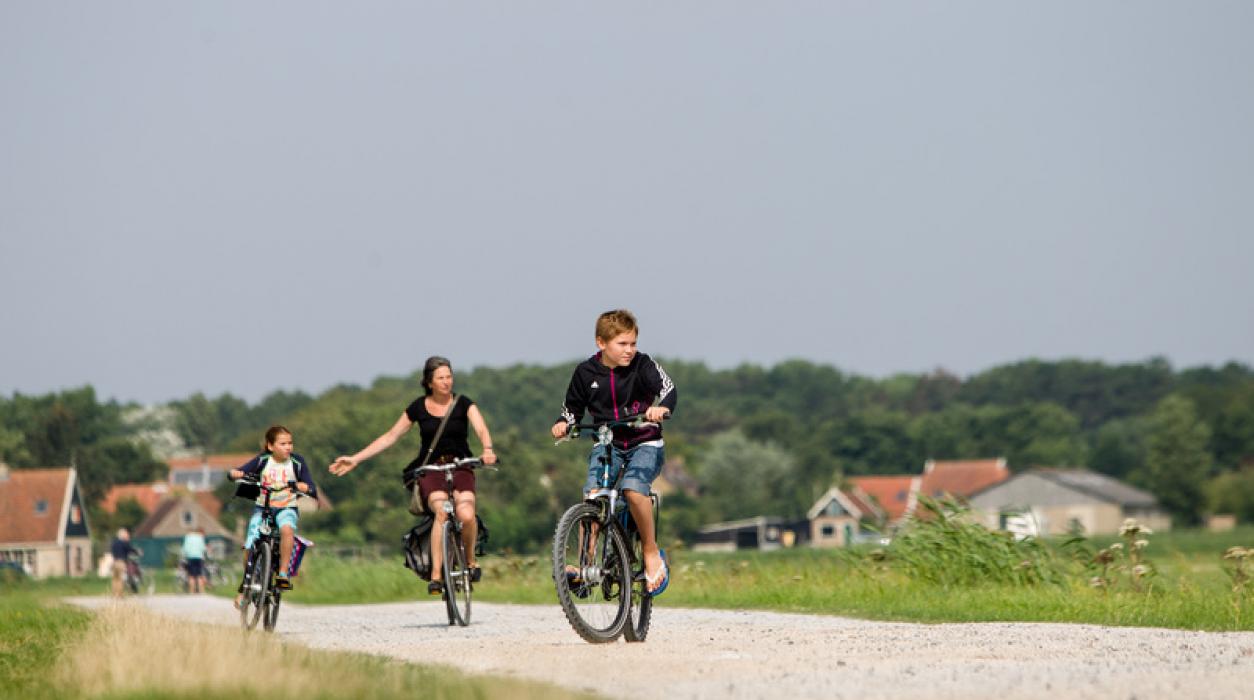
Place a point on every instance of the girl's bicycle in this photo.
(454, 570)
(262, 597)
(598, 564)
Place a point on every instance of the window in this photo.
(901, 496)
(76, 515)
(828, 530)
(41, 507)
(188, 518)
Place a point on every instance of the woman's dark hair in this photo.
(428, 370)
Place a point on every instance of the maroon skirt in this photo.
(431, 482)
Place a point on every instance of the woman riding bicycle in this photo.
(441, 412)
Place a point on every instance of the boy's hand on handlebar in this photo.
(559, 430)
(656, 414)
(489, 457)
(302, 487)
(343, 465)
(236, 474)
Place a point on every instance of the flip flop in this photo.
(665, 574)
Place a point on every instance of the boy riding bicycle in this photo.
(616, 383)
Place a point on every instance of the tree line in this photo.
(755, 440)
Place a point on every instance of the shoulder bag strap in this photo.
(440, 430)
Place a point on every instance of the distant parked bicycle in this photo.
(455, 573)
(137, 580)
(598, 564)
(261, 594)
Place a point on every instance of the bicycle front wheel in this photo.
(591, 573)
(256, 585)
(456, 577)
(270, 616)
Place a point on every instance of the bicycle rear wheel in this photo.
(456, 577)
(256, 585)
(641, 602)
(590, 571)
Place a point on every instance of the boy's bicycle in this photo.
(598, 562)
(262, 596)
(456, 574)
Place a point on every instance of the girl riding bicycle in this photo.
(616, 383)
(275, 468)
(443, 420)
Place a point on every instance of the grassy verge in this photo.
(50, 650)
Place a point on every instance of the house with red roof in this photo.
(836, 518)
(43, 524)
(204, 473)
(961, 478)
(149, 496)
(895, 496)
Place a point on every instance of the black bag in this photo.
(481, 536)
(417, 546)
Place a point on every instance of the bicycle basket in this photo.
(248, 490)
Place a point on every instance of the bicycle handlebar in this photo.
(593, 430)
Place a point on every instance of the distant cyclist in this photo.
(614, 384)
(440, 411)
(194, 556)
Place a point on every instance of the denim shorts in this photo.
(644, 463)
(283, 516)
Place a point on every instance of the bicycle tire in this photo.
(641, 612)
(270, 618)
(456, 577)
(256, 585)
(593, 597)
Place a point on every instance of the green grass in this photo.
(32, 637)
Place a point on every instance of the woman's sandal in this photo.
(476, 573)
(435, 588)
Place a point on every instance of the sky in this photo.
(243, 197)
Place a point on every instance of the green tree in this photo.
(1177, 462)
(743, 478)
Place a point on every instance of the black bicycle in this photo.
(262, 596)
(598, 560)
(455, 572)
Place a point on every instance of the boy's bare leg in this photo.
(641, 507)
(470, 527)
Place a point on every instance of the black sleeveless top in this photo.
(453, 441)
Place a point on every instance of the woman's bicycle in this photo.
(598, 562)
(454, 570)
(262, 596)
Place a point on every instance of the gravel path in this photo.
(693, 653)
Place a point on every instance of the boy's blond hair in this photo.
(611, 324)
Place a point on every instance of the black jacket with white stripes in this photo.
(618, 395)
